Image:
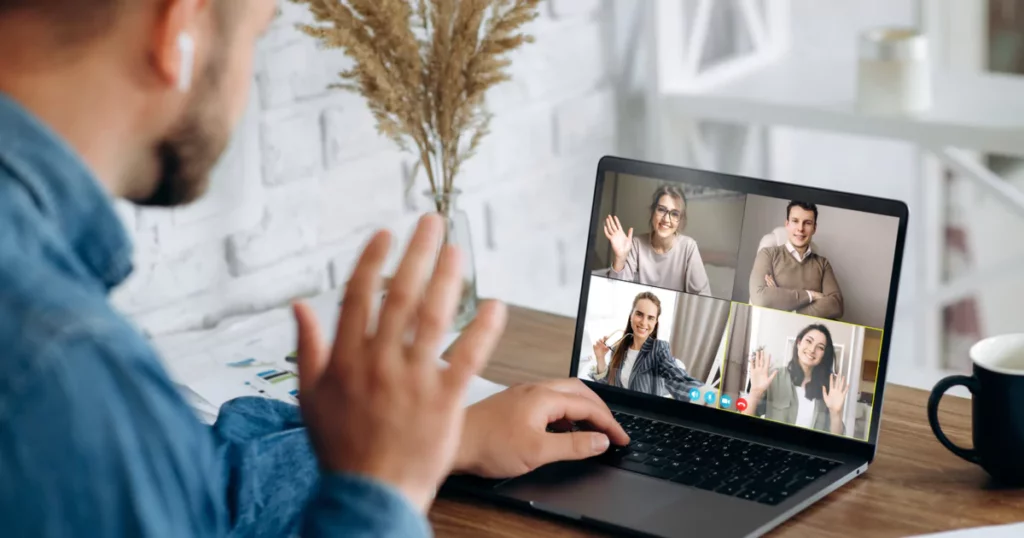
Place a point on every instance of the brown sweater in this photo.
(793, 279)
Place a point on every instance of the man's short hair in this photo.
(77, 21)
(80, 21)
(802, 205)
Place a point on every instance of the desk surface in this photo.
(915, 485)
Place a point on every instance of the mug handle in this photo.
(938, 392)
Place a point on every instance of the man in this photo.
(792, 277)
(137, 99)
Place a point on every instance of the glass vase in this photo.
(457, 233)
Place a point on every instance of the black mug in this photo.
(997, 401)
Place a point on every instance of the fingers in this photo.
(571, 446)
(311, 351)
(618, 224)
(438, 307)
(406, 289)
(580, 408)
(629, 236)
(470, 352)
(361, 292)
(772, 376)
(609, 231)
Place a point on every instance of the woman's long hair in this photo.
(820, 374)
(619, 355)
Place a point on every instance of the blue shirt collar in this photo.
(66, 193)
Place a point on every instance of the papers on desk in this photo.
(248, 357)
(1014, 530)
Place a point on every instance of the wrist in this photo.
(466, 457)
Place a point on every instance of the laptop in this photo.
(757, 318)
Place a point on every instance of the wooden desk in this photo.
(915, 486)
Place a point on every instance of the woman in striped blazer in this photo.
(639, 360)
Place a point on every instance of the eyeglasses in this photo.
(661, 211)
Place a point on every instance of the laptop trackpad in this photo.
(597, 491)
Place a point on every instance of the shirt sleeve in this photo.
(696, 274)
(763, 295)
(95, 439)
(356, 507)
(677, 380)
(831, 305)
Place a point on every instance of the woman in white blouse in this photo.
(640, 361)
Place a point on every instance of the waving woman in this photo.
(806, 392)
(639, 361)
(664, 257)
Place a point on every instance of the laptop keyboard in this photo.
(714, 462)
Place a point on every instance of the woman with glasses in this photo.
(664, 257)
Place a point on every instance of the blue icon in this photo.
(726, 402)
(709, 397)
(695, 394)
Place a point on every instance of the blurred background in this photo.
(753, 87)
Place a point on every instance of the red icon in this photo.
(741, 405)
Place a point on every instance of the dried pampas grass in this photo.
(424, 67)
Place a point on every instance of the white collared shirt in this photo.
(796, 254)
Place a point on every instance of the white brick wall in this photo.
(307, 179)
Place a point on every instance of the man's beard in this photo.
(188, 154)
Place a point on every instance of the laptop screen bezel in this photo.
(748, 185)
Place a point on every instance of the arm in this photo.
(831, 305)
(677, 380)
(628, 268)
(836, 425)
(96, 437)
(763, 295)
(696, 275)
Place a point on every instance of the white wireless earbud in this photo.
(187, 48)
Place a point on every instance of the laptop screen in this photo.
(770, 307)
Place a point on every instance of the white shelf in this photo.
(974, 111)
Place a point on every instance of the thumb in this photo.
(629, 236)
(772, 377)
(311, 351)
(573, 446)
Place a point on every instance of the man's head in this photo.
(801, 223)
(160, 84)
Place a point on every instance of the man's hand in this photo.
(376, 403)
(816, 295)
(506, 435)
(770, 281)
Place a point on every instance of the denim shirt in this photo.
(94, 438)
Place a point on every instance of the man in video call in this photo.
(792, 276)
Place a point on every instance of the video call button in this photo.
(726, 401)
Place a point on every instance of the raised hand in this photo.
(761, 374)
(376, 403)
(621, 241)
(600, 350)
(836, 393)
